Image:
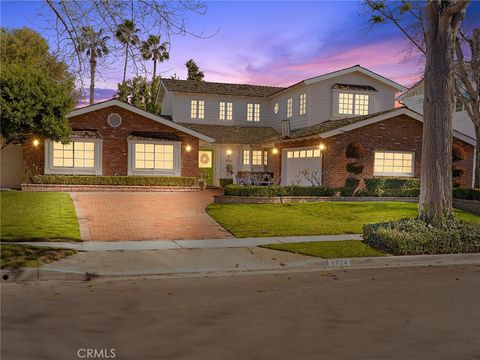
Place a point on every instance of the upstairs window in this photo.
(226, 111)
(289, 107)
(265, 157)
(353, 104)
(246, 157)
(458, 104)
(303, 104)
(275, 108)
(256, 157)
(197, 109)
(253, 112)
(76, 154)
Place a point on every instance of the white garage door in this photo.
(301, 163)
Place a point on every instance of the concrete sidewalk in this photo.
(187, 244)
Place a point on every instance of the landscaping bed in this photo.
(328, 249)
(322, 218)
(38, 217)
(115, 180)
(17, 256)
(415, 237)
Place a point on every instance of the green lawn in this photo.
(325, 218)
(328, 249)
(36, 216)
(15, 256)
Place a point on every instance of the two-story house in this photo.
(293, 135)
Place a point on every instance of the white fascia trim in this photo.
(140, 112)
(354, 69)
(401, 111)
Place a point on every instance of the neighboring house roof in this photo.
(354, 87)
(335, 127)
(234, 134)
(126, 106)
(205, 87)
(411, 91)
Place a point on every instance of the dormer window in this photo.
(197, 109)
(352, 99)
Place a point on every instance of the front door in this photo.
(205, 164)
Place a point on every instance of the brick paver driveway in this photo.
(146, 216)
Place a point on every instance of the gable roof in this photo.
(126, 106)
(224, 134)
(334, 127)
(205, 87)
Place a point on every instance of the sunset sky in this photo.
(269, 42)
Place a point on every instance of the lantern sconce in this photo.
(275, 151)
(188, 148)
(36, 142)
(322, 147)
(229, 152)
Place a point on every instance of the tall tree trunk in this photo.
(125, 65)
(443, 21)
(476, 182)
(93, 64)
(154, 68)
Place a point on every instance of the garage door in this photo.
(299, 164)
(11, 166)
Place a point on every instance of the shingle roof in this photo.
(329, 125)
(354, 87)
(234, 134)
(205, 87)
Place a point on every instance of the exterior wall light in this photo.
(275, 151)
(229, 152)
(322, 147)
(36, 142)
(188, 148)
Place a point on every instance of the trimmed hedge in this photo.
(466, 194)
(390, 186)
(415, 237)
(270, 191)
(225, 181)
(114, 180)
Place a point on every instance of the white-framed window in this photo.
(303, 104)
(289, 107)
(276, 108)
(393, 163)
(153, 156)
(265, 157)
(225, 110)
(246, 157)
(76, 154)
(253, 112)
(257, 157)
(197, 109)
(353, 104)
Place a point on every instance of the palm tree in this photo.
(152, 49)
(94, 44)
(127, 34)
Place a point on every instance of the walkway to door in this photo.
(147, 216)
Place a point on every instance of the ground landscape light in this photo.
(36, 142)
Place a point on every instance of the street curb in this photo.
(24, 275)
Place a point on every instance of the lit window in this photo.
(265, 157)
(345, 103)
(393, 163)
(197, 109)
(253, 112)
(303, 104)
(275, 108)
(256, 157)
(246, 157)
(458, 104)
(309, 153)
(289, 107)
(154, 156)
(77, 154)
(225, 111)
(361, 104)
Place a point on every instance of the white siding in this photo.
(167, 103)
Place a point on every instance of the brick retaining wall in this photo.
(467, 205)
(108, 188)
(222, 199)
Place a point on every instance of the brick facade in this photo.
(114, 141)
(400, 133)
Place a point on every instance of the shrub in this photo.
(415, 237)
(457, 171)
(269, 191)
(114, 180)
(374, 186)
(458, 153)
(401, 183)
(224, 182)
(355, 168)
(466, 194)
(414, 192)
(355, 151)
(351, 185)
